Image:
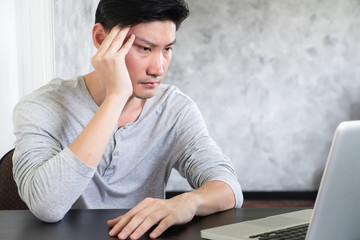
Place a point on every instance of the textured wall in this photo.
(272, 79)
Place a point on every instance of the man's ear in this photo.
(98, 34)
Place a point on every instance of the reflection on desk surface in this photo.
(91, 224)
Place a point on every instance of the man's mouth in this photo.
(151, 84)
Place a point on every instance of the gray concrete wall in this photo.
(272, 79)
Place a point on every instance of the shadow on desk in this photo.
(279, 199)
(273, 199)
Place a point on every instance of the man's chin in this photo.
(144, 95)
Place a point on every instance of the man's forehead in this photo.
(155, 33)
(153, 44)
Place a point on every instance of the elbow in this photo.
(47, 209)
(234, 201)
(239, 200)
(47, 212)
(235, 197)
(43, 203)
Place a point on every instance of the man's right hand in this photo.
(109, 62)
(111, 71)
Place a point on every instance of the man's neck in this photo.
(131, 110)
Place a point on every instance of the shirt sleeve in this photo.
(50, 178)
(200, 158)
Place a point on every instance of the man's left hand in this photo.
(177, 210)
(213, 196)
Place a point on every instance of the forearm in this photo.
(213, 196)
(90, 145)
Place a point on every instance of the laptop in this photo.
(336, 213)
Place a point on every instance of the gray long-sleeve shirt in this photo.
(170, 133)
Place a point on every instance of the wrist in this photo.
(116, 99)
(196, 201)
(213, 196)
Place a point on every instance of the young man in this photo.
(109, 139)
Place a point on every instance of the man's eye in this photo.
(168, 49)
(145, 49)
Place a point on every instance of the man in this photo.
(109, 139)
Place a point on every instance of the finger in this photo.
(112, 222)
(121, 222)
(118, 40)
(129, 214)
(109, 39)
(141, 223)
(149, 222)
(117, 227)
(126, 47)
(163, 226)
(118, 224)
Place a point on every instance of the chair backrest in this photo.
(9, 196)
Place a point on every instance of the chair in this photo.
(9, 196)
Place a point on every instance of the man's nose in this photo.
(157, 66)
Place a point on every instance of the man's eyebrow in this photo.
(153, 44)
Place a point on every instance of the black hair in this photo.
(125, 13)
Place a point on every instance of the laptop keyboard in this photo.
(291, 233)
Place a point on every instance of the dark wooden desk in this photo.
(91, 224)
